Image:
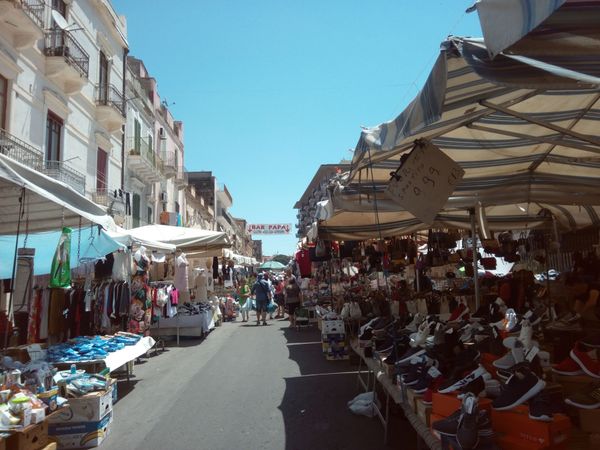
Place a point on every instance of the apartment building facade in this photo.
(62, 107)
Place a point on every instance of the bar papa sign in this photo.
(271, 228)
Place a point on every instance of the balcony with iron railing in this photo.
(170, 164)
(110, 107)
(62, 171)
(143, 161)
(20, 151)
(181, 177)
(115, 204)
(25, 19)
(30, 156)
(67, 63)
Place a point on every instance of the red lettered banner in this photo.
(270, 228)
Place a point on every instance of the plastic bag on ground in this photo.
(363, 404)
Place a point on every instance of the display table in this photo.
(374, 375)
(115, 360)
(192, 326)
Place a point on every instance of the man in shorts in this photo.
(262, 293)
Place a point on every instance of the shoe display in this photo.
(540, 408)
(525, 336)
(411, 353)
(589, 365)
(467, 431)
(460, 312)
(514, 356)
(475, 387)
(588, 398)
(459, 382)
(520, 387)
(567, 367)
(449, 425)
(416, 373)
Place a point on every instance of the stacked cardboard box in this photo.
(85, 422)
(333, 339)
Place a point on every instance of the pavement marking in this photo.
(304, 343)
(354, 372)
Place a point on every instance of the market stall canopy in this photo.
(239, 259)
(560, 33)
(190, 240)
(522, 135)
(127, 238)
(95, 245)
(271, 265)
(49, 204)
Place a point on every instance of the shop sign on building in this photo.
(271, 228)
(424, 181)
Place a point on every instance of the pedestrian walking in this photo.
(279, 286)
(244, 293)
(267, 278)
(293, 297)
(262, 294)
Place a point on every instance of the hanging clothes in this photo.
(181, 278)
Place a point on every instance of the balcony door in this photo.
(103, 80)
(101, 170)
(137, 135)
(54, 127)
(3, 101)
(135, 210)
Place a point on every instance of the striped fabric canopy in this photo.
(524, 134)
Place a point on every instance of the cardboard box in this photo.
(412, 399)
(594, 440)
(30, 438)
(518, 425)
(424, 412)
(589, 420)
(115, 392)
(81, 434)
(446, 404)
(88, 408)
(333, 327)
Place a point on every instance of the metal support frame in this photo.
(475, 270)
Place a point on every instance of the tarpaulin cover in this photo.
(184, 238)
(94, 245)
(49, 204)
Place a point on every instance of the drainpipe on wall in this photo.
(125, 53)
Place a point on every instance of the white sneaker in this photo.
(414, 324)
(419, 338)
(525, 336)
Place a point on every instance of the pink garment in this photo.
(174, 297)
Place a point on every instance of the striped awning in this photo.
(525, 134)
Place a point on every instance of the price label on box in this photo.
(424, 181)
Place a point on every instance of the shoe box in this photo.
(446, 404)
(81, 434)
(335, 346)
(424, 412)
(508, 442)
(517, 425)
(589, 420)
(31, 437)
(333, 327)
(487, 361)
(433, 418)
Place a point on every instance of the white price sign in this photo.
(424, 181)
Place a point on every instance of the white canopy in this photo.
(190, 240)
(127, 238)
(49, 204)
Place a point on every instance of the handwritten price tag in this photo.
(425, 181)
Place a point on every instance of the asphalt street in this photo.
(245, 387)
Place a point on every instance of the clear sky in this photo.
(270, 89)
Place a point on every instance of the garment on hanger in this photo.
(181, 278)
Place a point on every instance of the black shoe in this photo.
(366, 336)
(591, 341)
(454, 384)
(475, 387)
(520, 387)
(425, 382)
(540, 408)
(449, 425)
(416, 373)
(411, 353)
(467, 431)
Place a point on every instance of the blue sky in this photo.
(270, 89)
